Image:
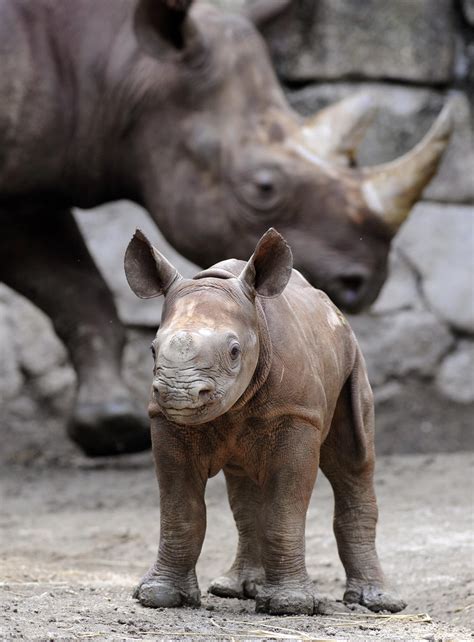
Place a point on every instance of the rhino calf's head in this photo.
(207, 347)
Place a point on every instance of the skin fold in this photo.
(259, 375)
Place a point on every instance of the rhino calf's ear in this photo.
(269, 268)
(148, 272)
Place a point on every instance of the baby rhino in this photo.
(259, 375)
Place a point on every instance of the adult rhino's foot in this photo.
(155, 592)
(287, 600)
(374, 597)
(111, 427)
(242, 584)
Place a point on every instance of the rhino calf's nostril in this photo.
(205, 394)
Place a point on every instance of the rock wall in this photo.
(418, 338)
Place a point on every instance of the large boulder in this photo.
(438, 240)
(397, 346)
(468, 10)
(411, 416)
(400, 40)
(37, 384)
(455, 378)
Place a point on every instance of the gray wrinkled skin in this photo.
(259, 375)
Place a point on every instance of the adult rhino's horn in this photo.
(391, 189)
(335, 132)
(263, 12)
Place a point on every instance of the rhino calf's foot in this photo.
(242, 584)
(111, 427)
(157, 592)
(374, 598)
(287, 601)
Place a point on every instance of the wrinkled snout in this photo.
(182, 379)
(172, 393)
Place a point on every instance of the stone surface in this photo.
(411, 342)
(405, 114)
(11, 379)
(468, 10)
(400, 291)
(107, 230)
(455, 378)
(333, 39)
(413, 417)
(439, 241)
(32, 355)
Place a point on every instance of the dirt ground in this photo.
(77, 535)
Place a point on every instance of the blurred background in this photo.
(418, 338)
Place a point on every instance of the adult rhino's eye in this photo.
(234, 350)
(153, 351)
(263, 189)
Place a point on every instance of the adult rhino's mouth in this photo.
(350, 291)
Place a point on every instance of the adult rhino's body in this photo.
(110, 99)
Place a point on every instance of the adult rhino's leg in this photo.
(43, 256)
(287, 489)
(182, 477)
(347, 460)
(246, 573)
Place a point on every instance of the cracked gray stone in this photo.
(11, 379)
(410, 342)
(468, 10)
(438, 240)
(332, 39)
(455, 378)
(400, 291)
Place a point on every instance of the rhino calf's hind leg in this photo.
(287, 489)
(246, 573)
(347, 460)
(43, 256)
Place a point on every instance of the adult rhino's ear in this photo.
(268, 270)
(148, 273)
(161, 22)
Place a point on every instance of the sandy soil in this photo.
(75, 538)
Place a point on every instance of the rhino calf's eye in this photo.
(234, 351)
(153, 351)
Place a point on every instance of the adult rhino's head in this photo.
(226, 157)
(207, 348)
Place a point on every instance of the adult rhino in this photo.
(180, 111)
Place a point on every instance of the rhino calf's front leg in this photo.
(172, 580)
